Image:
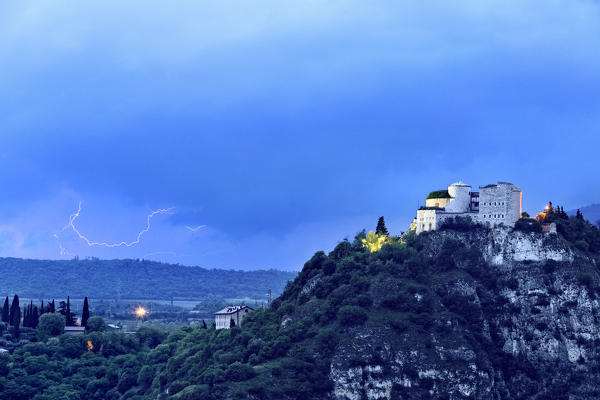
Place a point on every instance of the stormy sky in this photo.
(277, 128)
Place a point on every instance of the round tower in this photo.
(461, 197)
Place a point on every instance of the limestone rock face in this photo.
(530, 329)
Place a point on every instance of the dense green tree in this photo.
(527, 225)
(352, 315)
(85, 315)
(239, 372)
(381, 229)
(96, 324)
(30, 318)
(69, 316)
(5, 360)
(145, 376)
(51, 324)
(16, 320)
(26, 317)
(35, 317)
(42, 307)
(64, 308)
(14, 308)
(6, 311)
(151, 337)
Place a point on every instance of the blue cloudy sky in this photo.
(282, 126)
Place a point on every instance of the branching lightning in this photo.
(63, 251)
(196, 228)
(90, 243)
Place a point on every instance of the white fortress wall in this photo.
(426, 220)
(461, 198)
(500, 203)
(495, 204)
(514, 212)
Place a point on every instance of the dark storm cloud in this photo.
(261, 121)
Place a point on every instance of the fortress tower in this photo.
(494, 204)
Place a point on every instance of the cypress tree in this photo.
(5, 311)
(14, 309)
(30, 314)
(85, 314)
(203, 324)
(35, 317)
(52, 307)
(25, 317)
(42, 307)
(69, 315)
(17, 320)
(381, 229)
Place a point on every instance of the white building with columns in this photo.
(495, 204)
(236, 314)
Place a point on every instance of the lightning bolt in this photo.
(194, 229)
(63, 251)
(90, 243)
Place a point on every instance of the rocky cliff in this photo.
(524, 323)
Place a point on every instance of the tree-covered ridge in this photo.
(404, 295)
(575, 230)
(590, 213)
(287, 351)
(133, 279)
(95, 366)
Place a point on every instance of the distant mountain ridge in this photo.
(590, 213)
(133, 279)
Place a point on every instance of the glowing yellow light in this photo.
(90, 346)
(373, 242)
(141, 312)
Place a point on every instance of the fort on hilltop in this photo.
(494, 204)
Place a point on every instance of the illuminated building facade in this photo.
(495, 204)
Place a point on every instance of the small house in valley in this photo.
(74, 330)
(224, 317)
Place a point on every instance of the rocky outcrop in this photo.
(527, 327)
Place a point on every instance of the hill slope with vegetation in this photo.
(590, 213)
(439, 315)
(465, 312)
(133, 279)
